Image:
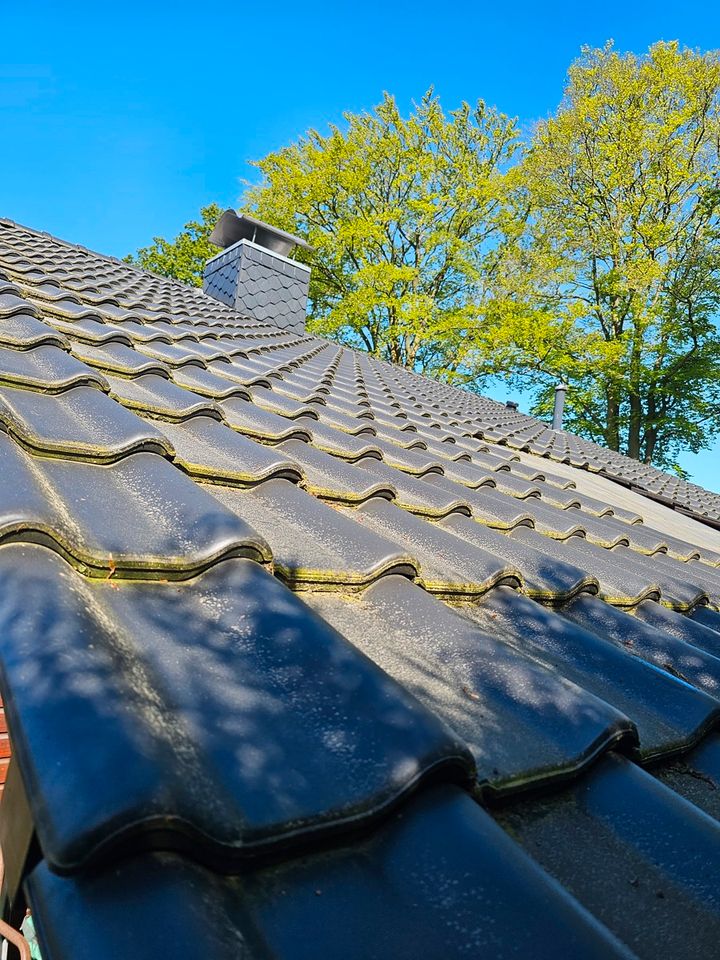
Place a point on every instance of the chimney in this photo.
(253, 274)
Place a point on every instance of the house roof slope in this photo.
(304, 655)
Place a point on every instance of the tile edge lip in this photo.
(328, 580)
(622, 738)
(83, 453)
(176, 834)
(153, 569)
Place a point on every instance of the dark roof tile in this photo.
(488, 505)
(632, 827)
(90, 331)
(556, 523)
(207, 383)
(160, 397)
(117, 358)
(210, 450)
(678, 587)
(214, 698)
(81, 422)
(666, 652)
(355, 426)
(368, 901)
(422, 498)
(487, 692)
(252, 421)
(449, 566)
(45, 368)
(670, 715)
(137, 516)
(415, 461)
(313, 545)
(619, 585)
(545, 577)
(23, 331)
(277, 403)
(677, 625)
(330, 478)
(340, 444)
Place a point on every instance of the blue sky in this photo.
(119, 121)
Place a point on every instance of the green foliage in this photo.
(594, 260)
(403, 216)
(613, 285)
(184, 257)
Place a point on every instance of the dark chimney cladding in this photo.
(253, 274)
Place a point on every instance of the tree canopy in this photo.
(613, 284)
(403, 216)
(184, 257)
(590, 254)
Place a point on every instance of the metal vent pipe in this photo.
(560, 391)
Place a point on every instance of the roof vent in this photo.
(560, 391)
(253, 274)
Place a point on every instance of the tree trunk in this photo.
(651, 431)
(635, 426)
(612, 431)
(650, 440)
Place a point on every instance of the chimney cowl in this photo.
(230, 228)
(253, 275)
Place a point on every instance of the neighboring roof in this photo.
(306, 656)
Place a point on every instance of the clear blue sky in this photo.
(119, 121)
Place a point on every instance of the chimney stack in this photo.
(253, 274)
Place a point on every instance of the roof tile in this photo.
(139, 515)
(45, 368)
(214, 698)
(213, 451)
(81, 422)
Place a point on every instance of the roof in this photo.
(305, 656)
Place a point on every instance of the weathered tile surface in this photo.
(277, 621)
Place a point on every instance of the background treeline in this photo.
(588, 251)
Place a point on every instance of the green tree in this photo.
(404, 217)
(614, 283)
(184, 257)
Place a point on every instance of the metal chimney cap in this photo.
(231, 228)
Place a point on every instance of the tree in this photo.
(614, 283)
(404, 217)
(184, 257)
